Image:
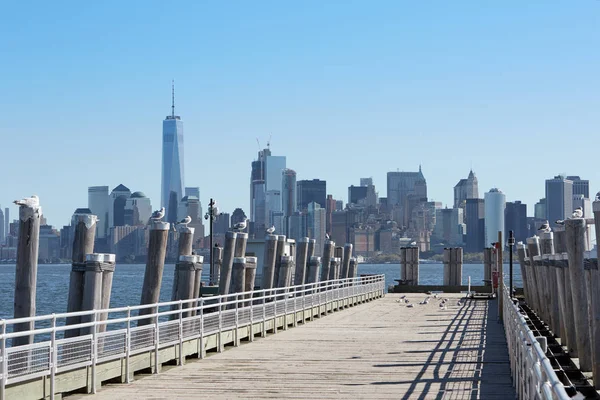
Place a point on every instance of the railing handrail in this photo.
(523, 346)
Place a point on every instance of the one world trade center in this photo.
(172, 163)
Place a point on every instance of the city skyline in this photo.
(415, 85)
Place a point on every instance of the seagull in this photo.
(32, 201)
(327, 236)
(185, 221)
(271, 230)
(158, 214)
(413, 243)
(410, 305)
(559, 222)
(406, 301)
(578, 213)
(403, 296)
(458, 303)
(240, 226)
(597, 198)
(216, 244)
(545, 227)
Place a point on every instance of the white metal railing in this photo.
(122, 335)
(532, 372)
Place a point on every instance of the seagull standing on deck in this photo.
(32, 201)
(158, 214)
(578, 213)
(545, 227)
(240, 226)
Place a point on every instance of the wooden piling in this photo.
(240, 244)
(575, 229)
(217, 256)
(334, 268)
(268, 271)
(186, 276)
(26, 270)
(521, 253)
(326, 259)
(346, 261)
(301, 261)
(566, 328)
(594, 289)
(185, 240)
(447, 266)
(83, 243)
(413, 265)
(95, 265)
(533, 250)
(487, 266)
(285, 271)
(278, 254)
(352, 270)
(227, 264)
(108, 271)
(155, 265)
(500, 276)
(550, 286)
(198, 264)
(250, 277)
(560, 240)
(313, 269)
(238, 277)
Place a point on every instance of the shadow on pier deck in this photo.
(380, 350)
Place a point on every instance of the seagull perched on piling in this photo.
(327, 236)
(271, 230)
(240, 226)
(185, 221)
(597, 198)
(158, 214)
(32, 201)
(545, 227)
(559, 222)
(578, 213)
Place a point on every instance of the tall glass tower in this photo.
(172, 163)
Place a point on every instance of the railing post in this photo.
(264, 316)
(294, 297)
(285, 308)
(94, 349)
(4, 366)
(128, 345)
(236, 343)
(220, 335)
(180, 331)
(53, 357)
(251, 330)
(201, 349)
(156, 340)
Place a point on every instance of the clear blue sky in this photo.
(348, 89)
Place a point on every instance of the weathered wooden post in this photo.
(563, 278)
(337, 253)
(533, 250)
(240, 244)
(458, 266)
(334, 268)
(238, 278)
(487, 266)
(550, 286)
(521, 253)
(30, 213)
(217, 255)
(155, 265)
(268, 271)
(285, 271)
(278, 254)
(560, 240)
(404, 264)
(413, 265)
(311, 248)
(83, 243)
(594, 291)
(313, 270)
(227, 264)
(448, 267)
(198, 264)
(567, 330)
(185, 239)
(108, 271)
(250, 277)
(301, 259)
(186, 276)
(326, 259)
(352, 271)
(95, 265)
(346, 260)
(575, 229)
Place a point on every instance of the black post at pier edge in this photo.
(511, 243)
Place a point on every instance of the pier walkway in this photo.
(379, 350)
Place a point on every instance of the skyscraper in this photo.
(475, 226)
(559, 199)
(495, 204)
(192, 191)
(137, 209)
(402, 184)
(311, 191)
(580, 186)
(1, 227)
(466, 189)
(515, 217)
(116, 209)
(315, 224)
(172, 163)
(258, 214)
(288, 195)
(98, 202)
(6, 221)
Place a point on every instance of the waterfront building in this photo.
(449, 226)
(495, 205)
(2, 234)
(221, 224)
(315, 225)
(49, 244)
(404, 191)
(357, 194)
(172, 178)
(138, 209)
(466, 189)
(310, 191)
(339, 205)
(580, 186)
(515, 217)
(539, 210)
(475, 238)
(288, 192)
(559, 199)
(330, 207)
(99, 203)
(257, 193)
(116, 208)
(6, 222)
(296, 226)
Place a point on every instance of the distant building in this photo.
(99, 202)
(221, 224)
(315, 224)
(297, 226)
(274, 212)
(191, 206)
(6, 222)
(495, 205)
(449, 226)
(539, 211)
(466, 189)
(515, 217)
(116, 209)
(258, 213)
(238, 215)
(311, 191)
(288, 192)
(172, 179)
(330, 207)
(2, 234)
(559, 199)
(580, 186)
(475, 213)
(404, 191)
(339, 205)
(357, 194)
(128, 242)
(137, 209)
(192, 191)
(49, 244)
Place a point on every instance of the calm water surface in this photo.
(53, 283)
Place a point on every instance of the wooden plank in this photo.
(379, 350)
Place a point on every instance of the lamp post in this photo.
(211, 215)
(511, 243)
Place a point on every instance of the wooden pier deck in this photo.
(378, 350)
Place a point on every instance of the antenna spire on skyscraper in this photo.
(173, 98)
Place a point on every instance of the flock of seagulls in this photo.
(577, 213)
(443, 304)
